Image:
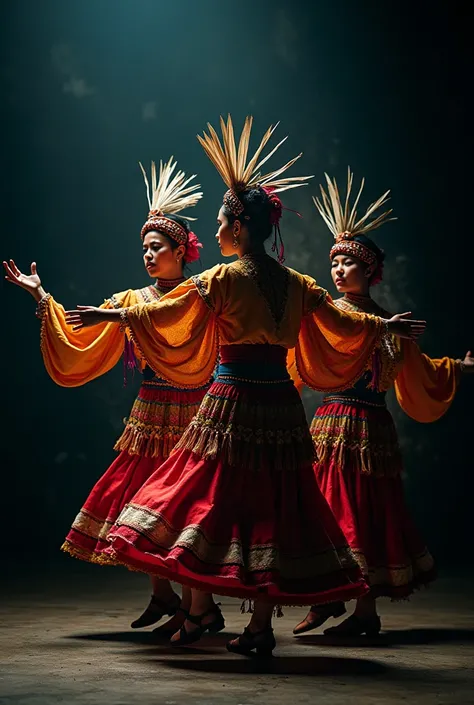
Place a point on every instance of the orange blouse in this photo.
(73, 358)
(253, 300)
(425, 388)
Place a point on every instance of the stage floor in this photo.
(65, 638)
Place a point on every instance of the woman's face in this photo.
(225, 234)
(350, 274)
(159, 258)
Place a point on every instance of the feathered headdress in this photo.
(231, 162)
(170, 193)
(342, 219)
(240, 175)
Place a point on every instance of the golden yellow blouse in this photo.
(253, 300)
(73, 358)
(424, 387)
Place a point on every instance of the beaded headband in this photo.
(157, 221)
(348, 246)
(233, 203)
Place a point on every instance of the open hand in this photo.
(405, 327)
(29, 282)
(85, 316)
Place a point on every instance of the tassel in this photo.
(247, 606)
(129, 359)
(376, 371)
(278, 611)
(278, 244)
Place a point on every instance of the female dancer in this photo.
(359, 463)
(161, 411)
(236, 508)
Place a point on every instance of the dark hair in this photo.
(376, 276)
(256, 214)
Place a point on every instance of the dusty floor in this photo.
(65, 638)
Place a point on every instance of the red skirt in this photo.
(359, 473)
(236, 509)
(157, 421)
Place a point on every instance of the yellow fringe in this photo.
(88, 556)
(349, 443)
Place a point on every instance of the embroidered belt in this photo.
(333, 398)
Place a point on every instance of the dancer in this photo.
(359, 463)
(236, 508)
(161, 411)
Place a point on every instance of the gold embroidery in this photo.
(156, 423)
(149, 294)
(389, 347)
(202, 291)
(245, 433)
(271, 279)
(354, 441)
(253, 558)
(397, 576)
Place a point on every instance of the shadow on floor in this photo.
(394, 638)
(283, 666)
(147, 638)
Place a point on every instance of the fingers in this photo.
(14, 268)
(407, 314)
(78, 327)
(10, 275)
(33, 267)
(73, 318)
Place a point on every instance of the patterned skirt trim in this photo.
(236, 509)
(242, 432)
(158, 419)
(357, 436)
(398, 581)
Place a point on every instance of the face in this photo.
(225, 234)
(350, 275)
(159, 258)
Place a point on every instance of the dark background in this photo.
(89, 88)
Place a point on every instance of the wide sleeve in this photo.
(425, 388)
(334, 347)
(177, 335)
(73, 358)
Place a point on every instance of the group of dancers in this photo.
(219, 484)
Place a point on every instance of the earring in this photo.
(235, 241)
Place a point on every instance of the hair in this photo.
(257, 214)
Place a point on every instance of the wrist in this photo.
(42, 306)
(38, 294)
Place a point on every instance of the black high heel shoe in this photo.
(323, 613)
(156, 610)
(262, 642)
(217, 625)
(356, 626)
(167, 631)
